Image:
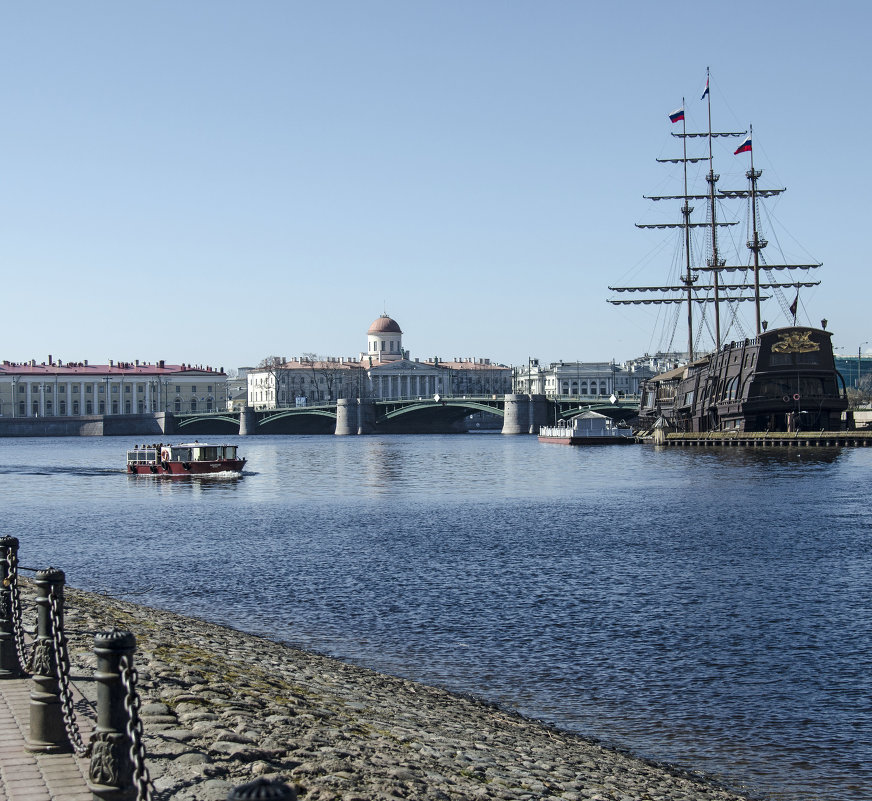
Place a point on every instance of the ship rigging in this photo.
(716, 291)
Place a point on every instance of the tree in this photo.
(273, 367)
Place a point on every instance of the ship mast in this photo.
(714, 262)
(686, 209)
(689, 290)
(756, 244)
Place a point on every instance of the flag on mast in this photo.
(706, 89)
(795, 306)
(745, 147)
(677, 115)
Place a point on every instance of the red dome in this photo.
(385, 325)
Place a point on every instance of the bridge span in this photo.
(510, 414)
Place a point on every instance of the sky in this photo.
(215, 182)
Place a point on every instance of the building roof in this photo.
(385, 325)
(83, 369)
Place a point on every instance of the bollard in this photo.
(10, 667)
(262, 790)
(47, 732)
(110, 775)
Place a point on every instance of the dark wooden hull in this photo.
(783, 380)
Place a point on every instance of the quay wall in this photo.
(221, 708)
(88, 426)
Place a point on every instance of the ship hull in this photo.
(783, 380)
(187, 468)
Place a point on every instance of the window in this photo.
(21, 388)
(48, 407)
(102, 406)
(209, 388)
(22, 409)
(140, 406)
(102, 389)
(89, 407)
(140, 388)
(62, 389)
(35, 408)
(193, 404)
(115, 407)
(88, 390)
(178, 405)
(115, 389)
(193, 389)
(75, 407)
(127, 407)
(127, 389)
(178, 390)
(62, 407)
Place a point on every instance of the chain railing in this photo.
(135, 731)
(62, 667)
(116, 746)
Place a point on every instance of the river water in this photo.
(711, 608)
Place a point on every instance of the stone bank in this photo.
(221, 708)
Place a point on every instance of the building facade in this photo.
(384, 372)
(74, 389)
(591, 380)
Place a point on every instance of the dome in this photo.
(385, 325)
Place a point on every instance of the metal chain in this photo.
(62, 668)
(135, 731)
(24, 658)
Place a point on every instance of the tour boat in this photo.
(587, 428)
(185, 459)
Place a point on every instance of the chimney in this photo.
(86, 362)
(137, 362)
(49, 360)
(110, 363)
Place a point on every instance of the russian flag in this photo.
(706, 89)
(745, 147)
(677, 115)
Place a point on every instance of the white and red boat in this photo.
(185, 459)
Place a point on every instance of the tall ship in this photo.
(764, 379)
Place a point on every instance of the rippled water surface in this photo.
(705, 607)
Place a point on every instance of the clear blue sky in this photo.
(214, 181)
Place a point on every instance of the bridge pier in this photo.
(346, 417)
(539, 407)
(247, 421)
(365, 416)
(516, 415)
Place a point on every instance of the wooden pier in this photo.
(766, 439)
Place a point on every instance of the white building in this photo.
(591, 380)
(385, 372)
(73, 389)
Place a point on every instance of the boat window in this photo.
(808, 358)
(208, 454)
(780, 359)
(230, 452)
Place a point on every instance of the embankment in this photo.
(221, 707)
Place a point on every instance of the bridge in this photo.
(511, 414)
